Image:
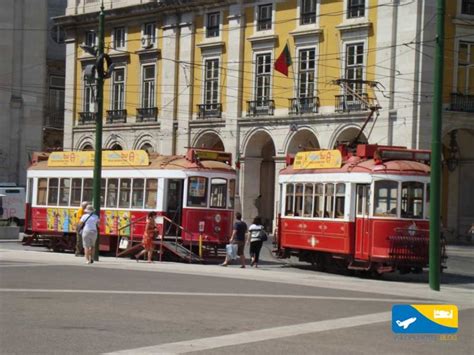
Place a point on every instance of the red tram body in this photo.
(364, 211)
(195, 191)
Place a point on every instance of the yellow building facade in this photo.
(263, 79)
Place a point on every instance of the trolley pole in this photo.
(435, 185)
(98, 128)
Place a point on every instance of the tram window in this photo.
(197, 191)
(308, 200)
(299, 200)
(318, 200)
(329, 201)
(124, 197)
(102, 192)
(112, 187)
(53, 191)
(231, 193)
(386, 198)
(412, 200)
(137, 193)
(340, 199)
(64, 190)
(218, 193)
(427, 201)
(151, 193)
(76, 187)
(289, 199)
(42, 190)
(87, 193)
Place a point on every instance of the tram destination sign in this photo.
(319, 159)
(109, 158)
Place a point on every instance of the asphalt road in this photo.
(55, 304)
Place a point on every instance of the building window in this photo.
(149, 34)
(148, 86)
(465, 84)
(354, 68)
(263, 73)
(56, 102)
(119, 37)
(90, 38)
(89, 97)
(306, 71)
(211, 81)
(212, 27)
(264, 19)
(308, 12)
(118, 89)
(467, 7)
(355, 8)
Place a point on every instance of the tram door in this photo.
(174, 205)
(362, 239)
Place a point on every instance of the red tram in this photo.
(366, 210)
(195, 192)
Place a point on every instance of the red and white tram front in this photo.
(364, 211)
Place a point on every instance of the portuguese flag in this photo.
(283, 61)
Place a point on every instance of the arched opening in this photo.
(116, 146)
(259, 165)
(348, 135)
(87, 147)
(457, 209)
(210, 140)
(302, 140)
(147, 147)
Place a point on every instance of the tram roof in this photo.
(156, 162)
(368, 166)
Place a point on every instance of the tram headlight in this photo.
(217, 229)
(217, 218)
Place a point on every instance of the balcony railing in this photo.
(464, 103)
(209, 111)
(55, 119)
(147, 114)
(116, 116)
(87, 118)
(260, 108)
(349, 103)
(302, 105)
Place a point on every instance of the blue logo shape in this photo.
(424, 319)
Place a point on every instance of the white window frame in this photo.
(112, 83)
(203, 91)
(86, 38)
(471, 60)
(125, 37)
(206, 19)
(346, 43)
(142, 82)
(255, 18)
(350, 19)
(299, 7)
(154, 39)
(254, 73)
(85, 86)
(459, 10)
(297, 59)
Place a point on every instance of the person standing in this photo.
(256, 231)
(89, 224)
(79, 214)
(148, 237)
(239, 236)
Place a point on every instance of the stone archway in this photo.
(87, 147)
(457, 206)
(116, 146)
(347, 135)
(259, 178)
(302, 140)
(209, 140)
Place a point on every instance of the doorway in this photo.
(174, 205)
(362, 240)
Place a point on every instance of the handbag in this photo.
(262, 235)
(231, 251)
(123, 243)
(81, 227)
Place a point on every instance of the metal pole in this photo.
(98, 128)
(435, 185)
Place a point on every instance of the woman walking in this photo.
(257, 236)
(88, 226)
(148, 236)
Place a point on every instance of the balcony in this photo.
(116, 116)
(350, 103)
(260, 108)
(302, 105)
(147, 114)
(463, 103)
(86, 118)
(209, 111)
(55, 119)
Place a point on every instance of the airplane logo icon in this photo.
(406, 323)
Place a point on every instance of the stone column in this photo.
(70, 92)
(250, 184)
